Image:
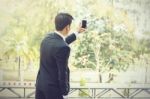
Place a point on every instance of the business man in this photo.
(53, 76)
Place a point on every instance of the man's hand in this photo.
(80, 29)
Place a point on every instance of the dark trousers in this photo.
(48, 93)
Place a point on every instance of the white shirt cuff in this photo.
(76, 34)
(65, 97)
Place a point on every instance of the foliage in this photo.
(109, 43)
(28, 22)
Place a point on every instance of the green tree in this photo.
(106, 45)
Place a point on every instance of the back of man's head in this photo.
(62, 20)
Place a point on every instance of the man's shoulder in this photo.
(49, 34)
(55, 39)
(53, 35)
(50, 37)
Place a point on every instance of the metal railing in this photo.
(92, 91)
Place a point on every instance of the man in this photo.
(53, 76)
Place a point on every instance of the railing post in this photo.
(1, 75)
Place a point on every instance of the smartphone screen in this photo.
(84, 24)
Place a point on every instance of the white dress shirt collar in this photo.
(60, 35)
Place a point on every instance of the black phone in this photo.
(84, 23)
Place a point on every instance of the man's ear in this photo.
(68, 27)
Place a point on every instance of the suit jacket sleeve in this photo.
(62, 56)
(70, 38)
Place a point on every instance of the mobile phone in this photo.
(84, 23)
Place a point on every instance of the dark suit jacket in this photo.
(54, 71)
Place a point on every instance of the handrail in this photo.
(94, 90)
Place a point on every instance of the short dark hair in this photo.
(62, 20)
